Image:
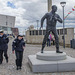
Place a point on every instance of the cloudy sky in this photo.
(28, 11)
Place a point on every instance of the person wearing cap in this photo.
(3, 46)
(18, 46)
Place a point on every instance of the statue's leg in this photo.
(54, 31)
(44, 41)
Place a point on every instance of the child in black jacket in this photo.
(18, 46)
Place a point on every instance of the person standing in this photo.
(49, 40)
(3, 46)
(18, 46)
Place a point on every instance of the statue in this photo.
(51, 19)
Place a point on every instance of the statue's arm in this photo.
(42, 20)
(59, 19)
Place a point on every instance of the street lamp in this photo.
(37, 23)
(63, 5)
(7, 23)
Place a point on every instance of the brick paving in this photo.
(10, 68)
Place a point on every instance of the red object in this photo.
(50, 36)
(72, 9)
(68, 13)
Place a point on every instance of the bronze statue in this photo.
(51, 19)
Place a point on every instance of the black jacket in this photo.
(4, 42)
(18, 45)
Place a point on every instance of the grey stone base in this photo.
(51, 66)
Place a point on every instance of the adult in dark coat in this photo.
(18, 46)
(51, 19)
(3, 46)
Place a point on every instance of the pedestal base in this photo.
(37, 65)
(51, 56)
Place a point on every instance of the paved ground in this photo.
(10, 68)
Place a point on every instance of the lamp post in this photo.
(37, 23)
(7, 23)
(63, 5)
(49, 5)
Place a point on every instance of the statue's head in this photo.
(54, 8)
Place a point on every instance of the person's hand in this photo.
(13, 52)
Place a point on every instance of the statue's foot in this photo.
(41, 51)
(59, 52)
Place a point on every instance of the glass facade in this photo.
(7, 29)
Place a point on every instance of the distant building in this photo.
(36, 36)
(7, 23)
(15, 31)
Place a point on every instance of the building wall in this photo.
(34, 38)
(6, 23)
(69, 36)
(37, 39)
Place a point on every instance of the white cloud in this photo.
(28, 11)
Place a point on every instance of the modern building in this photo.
(7, 23)
(34, 36)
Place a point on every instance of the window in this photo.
(4, 28)
(40, 32)
(58, 32)
(61, 31)
(30, 32)
(0, 28)
(65, 31)
(9, 29)
(36, 32)
(44, 32)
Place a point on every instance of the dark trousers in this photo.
(1, 55)
(19, 57)
(54, 31)
(48, 42)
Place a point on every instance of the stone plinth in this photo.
(50, 56)
(50, 61)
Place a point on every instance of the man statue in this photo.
(51, 19)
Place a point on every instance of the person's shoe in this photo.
(7, 60)
(20, 68)
(17, 68)
(59, 52)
